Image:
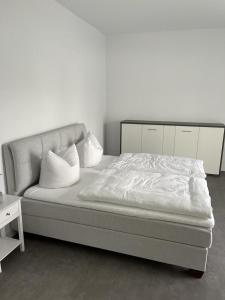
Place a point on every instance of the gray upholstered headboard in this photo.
(22, 158)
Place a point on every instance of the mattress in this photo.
(64, 204)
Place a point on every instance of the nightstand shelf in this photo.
(10, 209)
(7, 245)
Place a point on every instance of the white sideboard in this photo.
(196, 140)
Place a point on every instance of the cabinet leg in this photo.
(20, 231)
(22, 247)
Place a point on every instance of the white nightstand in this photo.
(10, 209)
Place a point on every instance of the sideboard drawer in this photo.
(210, 145)
(131, 138)
(152, 139)
(186, 141)
(169, 139)
(9, 213)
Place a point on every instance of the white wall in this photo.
(177, 76)
(52, 73)
(52, 69)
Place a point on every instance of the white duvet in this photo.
(166, 193)
(159, 163)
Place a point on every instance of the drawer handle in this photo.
(7, 214)
(151, 129)
(186, 130)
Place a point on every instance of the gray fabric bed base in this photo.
(150, 248)
(180, 233)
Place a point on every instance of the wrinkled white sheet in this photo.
(159, 163)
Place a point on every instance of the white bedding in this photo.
(69, 196)
(175, 194)
(159, 163)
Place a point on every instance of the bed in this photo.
(62, 214)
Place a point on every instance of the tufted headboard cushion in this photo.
(22, 158)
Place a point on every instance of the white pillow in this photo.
(90, 151)
(60, 170)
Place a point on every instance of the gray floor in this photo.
(51, 269)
